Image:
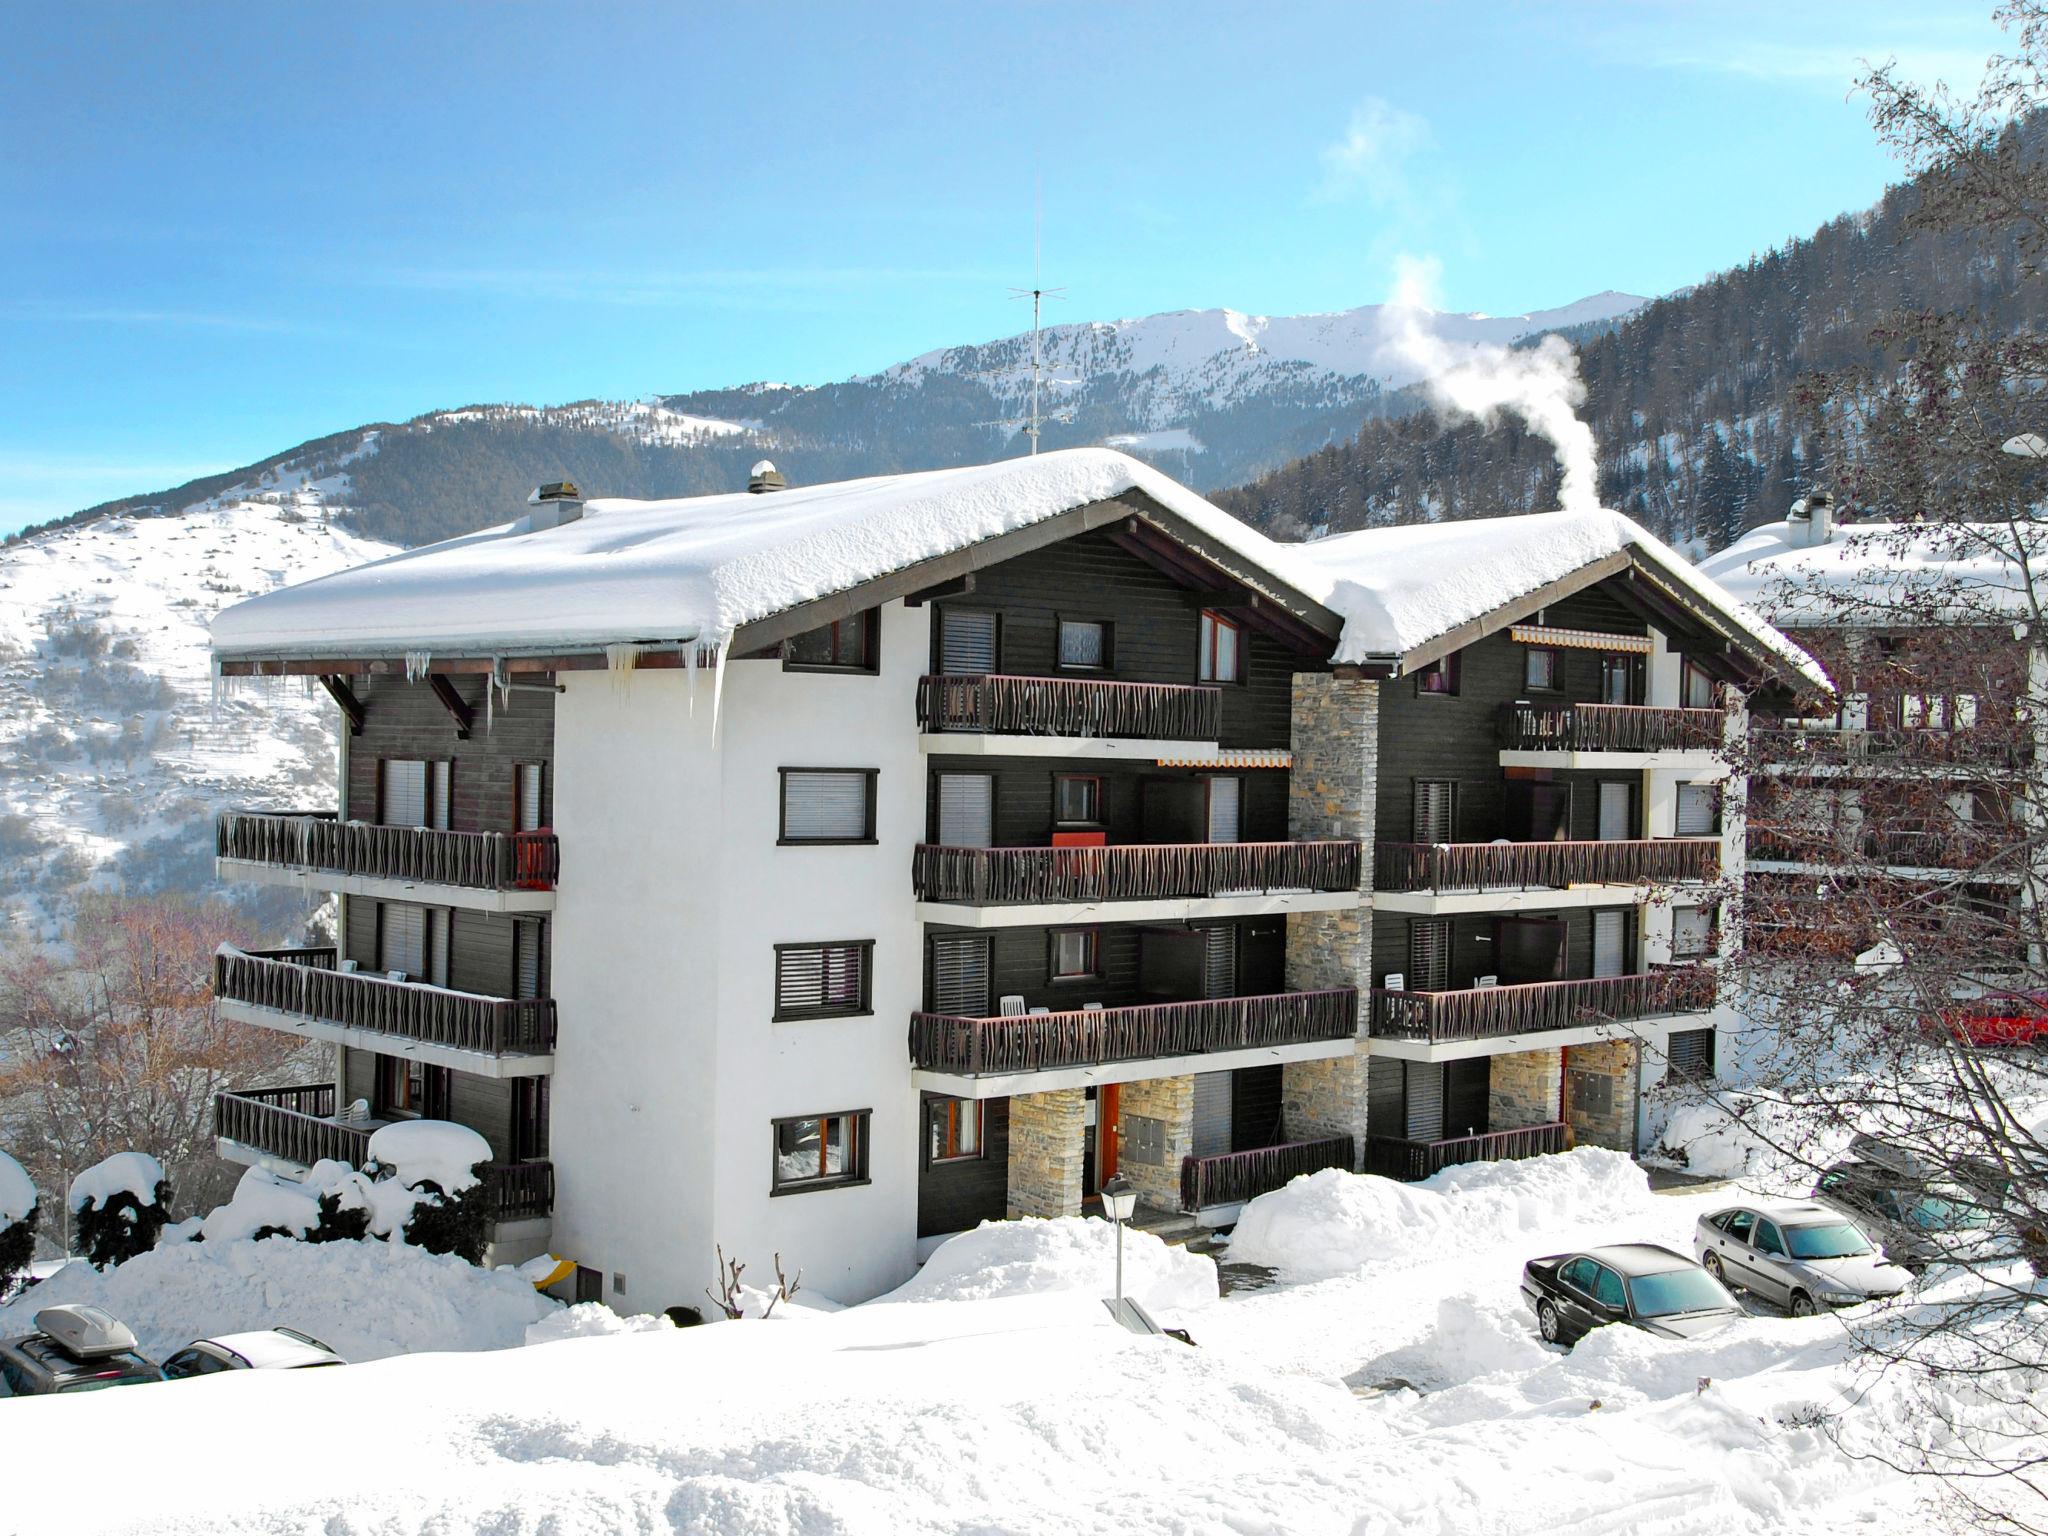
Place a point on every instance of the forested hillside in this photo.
(1692, 398)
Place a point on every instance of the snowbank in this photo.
(125, 1173)
(17, 1191)
(1740, 1138)
(593, 1320)
(1070, 1253)
(367, 1299)
(1333, 1222)
(439, 1152)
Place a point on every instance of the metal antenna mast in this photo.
(1038, 293)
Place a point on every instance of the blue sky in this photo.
(232, 228)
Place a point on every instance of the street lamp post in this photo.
(1119, 1200)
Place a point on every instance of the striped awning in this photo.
(1232, 757)
(1580, 639)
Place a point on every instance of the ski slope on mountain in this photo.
(114, 754)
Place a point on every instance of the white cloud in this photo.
(1371, 160)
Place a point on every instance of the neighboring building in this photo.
(908, 852)
(1912, 777)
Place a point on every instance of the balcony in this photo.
(297, 1126)
(1393, 1157)
(1596, 735)
(1470, 1015)
(313, 850)
(302, 992)
(1442, 877)
(1235, 1177)
(1066, 714)
(1173, 880)
(1110, 1045)
(1888, 752)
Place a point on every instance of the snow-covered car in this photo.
(1802, 1257)
(75, 1348)
(1643, 1284)
(268, 1349)
(1918, 1223)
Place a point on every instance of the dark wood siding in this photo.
(1475, 945)
(1023, 806)
(1157, 629)
(1140, 963)
(479, 947)
(405, 720)
(953, 1196)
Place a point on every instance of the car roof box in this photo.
(85, 1331)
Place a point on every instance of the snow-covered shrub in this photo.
(118, 1206)
(332, 1201)
(440, 1167)
(19, 1210)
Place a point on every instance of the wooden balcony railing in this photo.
(1393, 1157)
(1130, 872)
(1488, 1013)
(1234, 1177)
(315, 840)
(296, 1125)
(304, 982)
(1991, 746)
(1069, 706)
(1042, 1042)
(1609, 728)
(1522, 866)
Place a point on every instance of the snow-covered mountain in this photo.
(114, 752)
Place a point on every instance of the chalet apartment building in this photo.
(827, 870)
(1911, 776)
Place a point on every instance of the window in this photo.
(1084, 645)
(1077, 797)
(528, 802)
(1692, 932)
(960, 976)
(412, 792)
(1440, 676)
(1767, 1238)
(969, 641)
(530, 1098)
(1699, 810)
(526, 947)
(966, 810)
(1621, 679)
(1607, 1288)
(844, 645)
(820, 1150)
(408, 1086)
(1696, 687)
(1222, 649)
(955, 1129)
(1691, 1055)
(1076, 953)
(1429, 954)
(828, 805)
(1539, 669)
(402, 939)
(823, 981)
(1578, 1274)
(1436, 810)
(1742, 1226)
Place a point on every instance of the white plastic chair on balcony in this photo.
(349, 967)
(1091, 1007)
(1012, 1005)
(1039, 1010)
(357, 1113)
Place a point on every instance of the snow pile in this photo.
(17, 1191)
(437, 1152)
(125, 1173)
(1332, 1223)
(1069, 1253)
(1474, 1338)
(264, 1201)
(593, 1320)
(1739, 1136)
(365, 1299)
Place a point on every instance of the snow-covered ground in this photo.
(1016, 1406)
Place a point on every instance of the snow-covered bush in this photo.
(18, 1212)
(118, 1206)
(440, 1168)
(331, 1202)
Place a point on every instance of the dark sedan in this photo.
(1642, 1284)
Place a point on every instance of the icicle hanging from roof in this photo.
(417, 664)
(620, 660)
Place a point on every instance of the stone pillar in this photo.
(1046, 1152)
(1170, 1101)
(1523, 1089)
(1600, 1094)
(1322, 1099)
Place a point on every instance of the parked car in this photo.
(2012, 1186)
(1643, 1284)
(1919, 1222)
(1803, 1257)
(75, 1348)
(270, 1349)
(2012, 1019)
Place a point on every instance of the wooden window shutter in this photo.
(824, 805)
(404, 799)
(967, 641)
(1610, 943)
(960, 976)
(402, 939)
(1219, 962)
(1435, 810)
(1224, 795)
(526, 959)
(444, 794)
(1429, 954)
(1696, 807)
(1691, 1053)
(821, 979)
(529, 796)
(966, 810)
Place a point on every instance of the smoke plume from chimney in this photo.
(1540, 384)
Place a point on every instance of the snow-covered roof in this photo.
(1877, 573)
(1400, 588)
(691, 569)
(697, 569)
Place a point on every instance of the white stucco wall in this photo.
(669, 1069)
